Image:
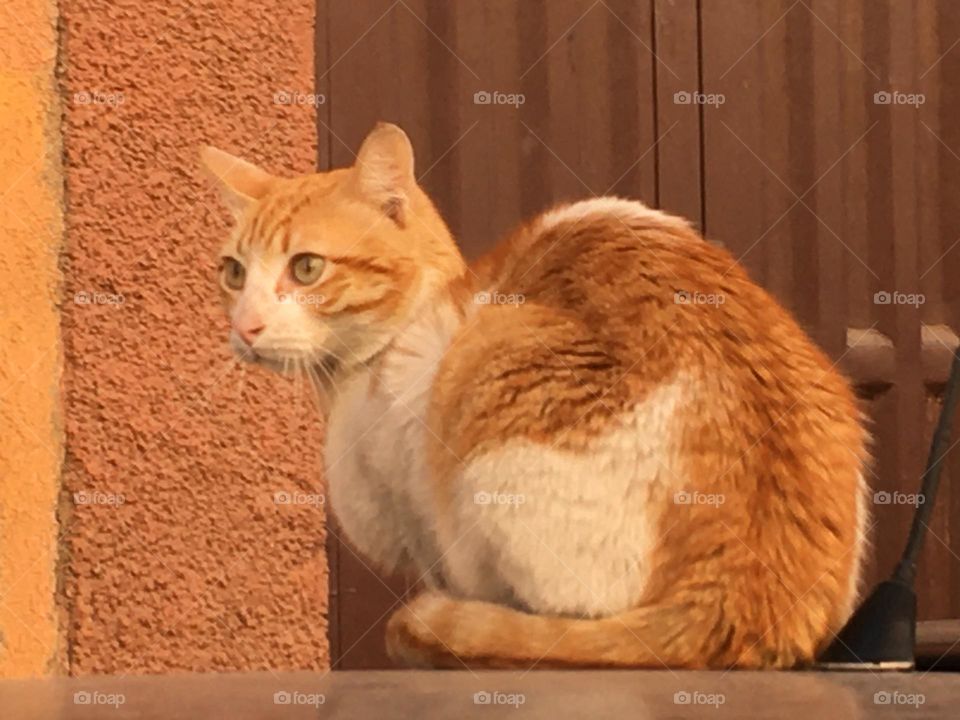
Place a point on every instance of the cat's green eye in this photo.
(233, 273)
(306, 268)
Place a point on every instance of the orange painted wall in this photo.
(30, 439)
(176, 555)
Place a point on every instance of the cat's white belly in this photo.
(557, 532)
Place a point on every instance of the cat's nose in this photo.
(250, 332)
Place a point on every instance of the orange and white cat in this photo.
(602, 445)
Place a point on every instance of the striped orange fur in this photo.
(602, 445)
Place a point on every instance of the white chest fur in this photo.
(374, 456)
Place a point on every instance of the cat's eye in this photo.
(306, 268)
(233, 273)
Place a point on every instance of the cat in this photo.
(601, 445)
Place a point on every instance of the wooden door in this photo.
(813, 138)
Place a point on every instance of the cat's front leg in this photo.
(363, 507)
(383, 524)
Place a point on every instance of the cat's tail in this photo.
(436, 630)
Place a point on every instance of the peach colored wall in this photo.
(177, 555)
(30, 438)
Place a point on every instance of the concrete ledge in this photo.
(407, 694)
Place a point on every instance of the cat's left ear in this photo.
(240, 183)
(384, 171)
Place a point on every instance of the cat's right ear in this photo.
(240, 183)
(383, 172)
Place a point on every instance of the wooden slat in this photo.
(679, 158)
(913, 408)
(823, 307)
(485, 211)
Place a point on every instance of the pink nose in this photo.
(250, 332)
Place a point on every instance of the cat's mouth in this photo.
(294, 363)
(287, 361)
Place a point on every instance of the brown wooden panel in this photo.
(827, 195)
(802, 113)
(938, 147)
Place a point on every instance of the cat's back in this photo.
(630, 273)
(604, 252)
(590, 307)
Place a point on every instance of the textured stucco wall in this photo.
(177, 555)
(30, 438)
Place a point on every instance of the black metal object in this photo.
(881, 634)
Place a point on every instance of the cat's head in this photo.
(325, 269)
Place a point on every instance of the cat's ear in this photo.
(384, 171)
(240, 183)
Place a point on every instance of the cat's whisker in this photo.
(321, 368)
(299, 371)
(334, 354)
(295, 376)
(321, 394)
